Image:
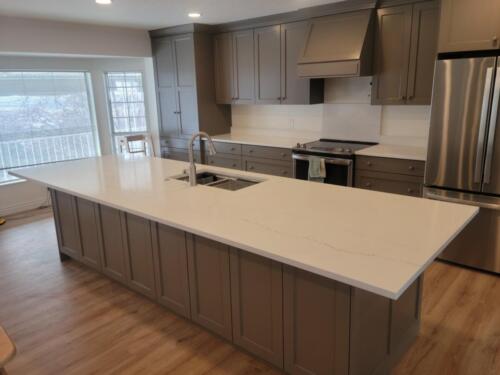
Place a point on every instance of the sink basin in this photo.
(220, 181)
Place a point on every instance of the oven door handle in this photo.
(334, 161)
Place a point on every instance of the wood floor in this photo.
(67, 319)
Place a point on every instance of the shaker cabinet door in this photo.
(170, 253)
(257, 305)
(268, 65)
(223, 53)
(88, 218)
(67, 223)
(392, 54)
(423, 53)
(113, 246)
(469, 25)
(294, 90)
(243, 57)
(209, 287)
(139, 254)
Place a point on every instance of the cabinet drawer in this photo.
(227, 148)
(389, 183)
(225, 162)
(389, 165)
(267, 152)
(181, 143)
(179, 154)
(268, 167)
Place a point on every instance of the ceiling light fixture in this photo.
(103, 2)
(194, 15)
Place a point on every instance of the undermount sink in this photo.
(220, 181)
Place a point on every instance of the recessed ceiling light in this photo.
(103, 2)
(194, 15)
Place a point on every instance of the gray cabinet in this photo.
(224, 161)
(244, 66)
(268, 65)
(388, 175)
(139, 254)
(66, 217)
(113, 246)
(171, 269)
(224, 68)
(405, 52)
(316, 324)
(469, 25)
(257, 305)
(208, 264)
(267, 166)
(88, 219)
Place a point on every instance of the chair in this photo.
(137, 144)
(7, 350)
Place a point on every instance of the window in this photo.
(44, 117)
(126, 104)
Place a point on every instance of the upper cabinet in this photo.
(469, 25)
(405, 53)
(259, 66)
(185, 85)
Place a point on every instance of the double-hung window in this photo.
(45, 117)
(126, 105)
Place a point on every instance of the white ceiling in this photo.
(150, 14)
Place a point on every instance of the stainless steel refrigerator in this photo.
(463, 159)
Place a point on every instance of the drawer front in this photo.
(225, 162)
(389, 183)
(181, 143)
(267, 152)
(179, 154)
(268, 167)
(389, 165)
(227, 148)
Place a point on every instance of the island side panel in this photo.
(88, 220)
(67, 229)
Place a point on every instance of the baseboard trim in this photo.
(22, 207)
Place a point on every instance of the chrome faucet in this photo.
(192, 166)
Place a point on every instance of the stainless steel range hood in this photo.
(339, 45)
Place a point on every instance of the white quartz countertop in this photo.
(261, 140)
(374, 241)
(395, 151)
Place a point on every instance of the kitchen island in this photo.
(314, 278)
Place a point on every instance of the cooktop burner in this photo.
(332, 147)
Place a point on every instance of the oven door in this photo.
(338, 171)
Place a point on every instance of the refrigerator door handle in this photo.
(492, 129)
(478, 168)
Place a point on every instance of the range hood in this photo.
(339, 45)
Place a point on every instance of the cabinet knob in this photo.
(234, 165)
(411, 168)
(250, 151)
(369, 163)
(233, 149)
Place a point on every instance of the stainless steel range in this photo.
(338, 157)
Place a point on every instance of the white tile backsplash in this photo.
(346, 114)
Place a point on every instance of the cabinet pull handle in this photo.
(411, 168)
(250, 151)
(232, 149)
(234, 165)
(278, 98)
(177, 112)
(410, 190)
(369, 163)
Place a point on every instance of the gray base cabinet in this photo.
(257, 305)
(316, 324)
(171, 269)
(209, 285)
(298, 321)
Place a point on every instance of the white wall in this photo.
(30, 36)
(345, 114)
(17, 197)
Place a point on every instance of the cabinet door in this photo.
(67, 227)
(392, 54)
(257, 305)
(268, 65)
(209, 287)
(166, 81)
(88, 218)
(139, 257)
(170, 254)
(294, 90)
(316, 324)
(424, 36)
(186, 84)
(243, 58)
(223, 52)
(469, 25)
(113, 246)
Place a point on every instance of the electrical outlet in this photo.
(291, 123)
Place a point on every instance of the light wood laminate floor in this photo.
(67, 319)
